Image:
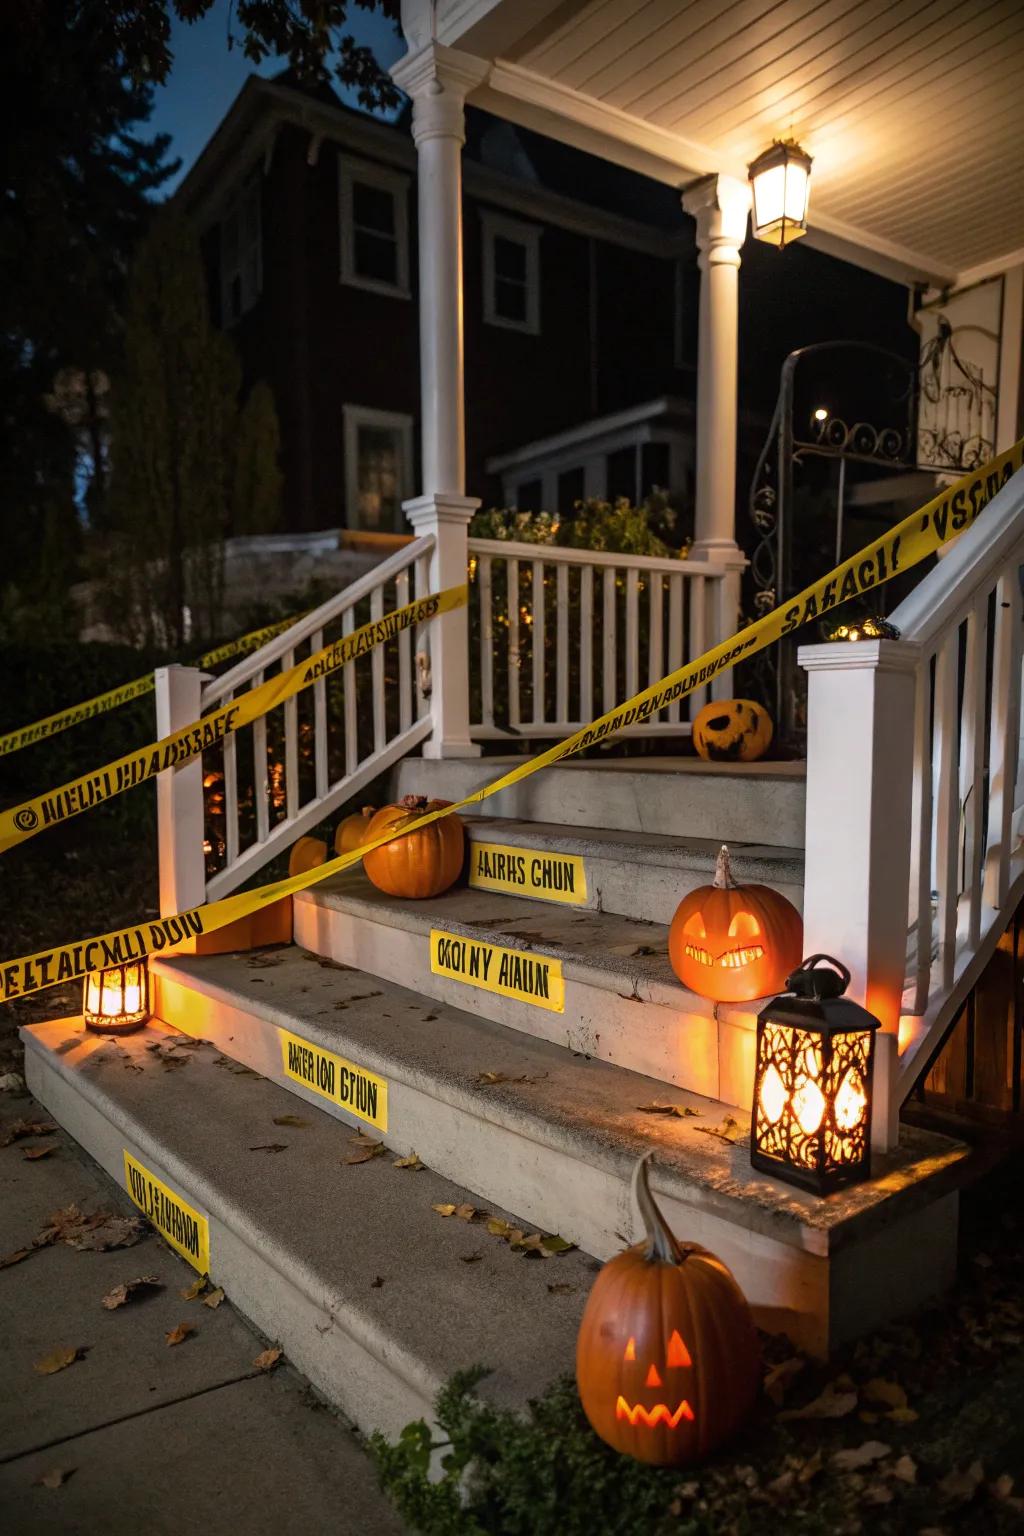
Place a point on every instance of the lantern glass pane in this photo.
(769, 196)
(795, 202)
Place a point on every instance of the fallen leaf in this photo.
(682, 1111)
(962, 1485)
(831, 1404)
(377, 1282)
(444, 1210)
(195, 1289)
(179, 1334)
(33, 1154)
(112, 1232)
(531, 1245)
(492, 1079)
(811, 1467)
(552, 1243)
(465, 1212)
(877, 1493)
(860, 1456)
(778, 1379)
(561, 1288)
(19, 1129)
(412, 1162)
(123, 1293)
(1002, 1487)
(268, 1359)
(902, 1415)
(498, 1228)
(214, 1299)
(364, 1153)
(905, 1469)
(878, 1390)
(15, 1257)
(12, 1082)
(470, 1258)
(54, 1477)
(294, 1120)
(58, 1360)
(728, 1131)
(271, 1146)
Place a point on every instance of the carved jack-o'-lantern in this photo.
(732, 730)
(732, 942)
(667, 1360)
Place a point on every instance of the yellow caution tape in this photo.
(52, 725)
(91, 789)
(910, 542)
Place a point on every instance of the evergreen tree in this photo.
(256, 491)
(174, 419)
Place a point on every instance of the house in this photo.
(896, 831)
(580, 309)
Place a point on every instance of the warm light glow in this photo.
(821, 414)
(651, 1417)
(809, 1107)
(630, 1350)
(653, 1379)
(773, 1095)
(116, 998)
(678, 1354)
(851, 1102)
(780, 180)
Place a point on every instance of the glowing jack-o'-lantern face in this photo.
(734, 942)
(667, 1358)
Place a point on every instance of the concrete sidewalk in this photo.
(151, 1439)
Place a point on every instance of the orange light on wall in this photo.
(812, 1082)
(116, 1000)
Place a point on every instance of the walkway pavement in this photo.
(138, 1435)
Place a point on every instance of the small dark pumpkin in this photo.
(732, 731)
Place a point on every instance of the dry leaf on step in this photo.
(851, 1459)
(498, 1228)
(471, 1258)
(444, 1210)
(728, 1131)
(270, 1146)
(269, 1358)
(492, 1079)
(552, 1243)
(179, 1334)
(411, 1162)
(195, 1289)
(111, 1232)
(57, 1360)
(561, 1288)
(832, 1404)
(465, 1212)
(131, 1288)
(890, 1393)
(962, 1485)
(905, 1469)
(682, 1111)
(778, 1379)
(54, 1477)
(33, 1154)
(364, 1152)
(18, 1129)
(293, 1120)
(214, 1299)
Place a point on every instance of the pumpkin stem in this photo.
(369, 810)
(661, 1242)
(414, 802)
(723, 880)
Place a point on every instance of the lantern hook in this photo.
(806, 981)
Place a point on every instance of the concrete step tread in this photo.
(589, 1110)
(362, 1242)
(751, 861)
(639, 766)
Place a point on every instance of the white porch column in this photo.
(860, 729)
(438, 80)
(720, 205)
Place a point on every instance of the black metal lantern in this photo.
(811, 1121)
(115, 1001)
(780, 180)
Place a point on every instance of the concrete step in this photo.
(678, 797)
(640, 874)
(553, 1137)
(611, 992)
(375, 1297)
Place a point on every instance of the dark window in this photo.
(529, 496)
(622, 474)
(570, 490)
(510, 279)
(655, 468)
(375, 240)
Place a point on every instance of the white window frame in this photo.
(356, 416)
(498, 225)
(251, 184)
(370, 174)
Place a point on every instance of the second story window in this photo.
(241, 250)
(373, 207)
(511, 273)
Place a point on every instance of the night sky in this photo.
(206, 77)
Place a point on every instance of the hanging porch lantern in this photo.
(781, 182)
(116, 1000)
(812, 1082)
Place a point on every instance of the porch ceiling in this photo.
(911, 108)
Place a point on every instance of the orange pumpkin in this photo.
(421, 864)
(351, 833)
(667, 1359)
(732, 942)
(307, 853)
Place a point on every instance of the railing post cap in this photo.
(860, 656)
(440, 507)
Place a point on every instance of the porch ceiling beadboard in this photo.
(911, 108)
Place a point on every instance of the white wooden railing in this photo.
(270, 782)
(914, 864)
(559, 635)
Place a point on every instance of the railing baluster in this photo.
(920, 905)
(586, 643)
(377, 675)
(422, 589)
(632, 632)
(291, 745)
(260, 771)
(514, 659)
(698, 637)
(230, 794)
(316, 643)
(675, 630)
(349, 710)
(1004, 736)
(538, 607)
(484, 588)
(609, 683)
(562, 649)
(656, 636)
(404, 656)
(972, 761)
(947, 803)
